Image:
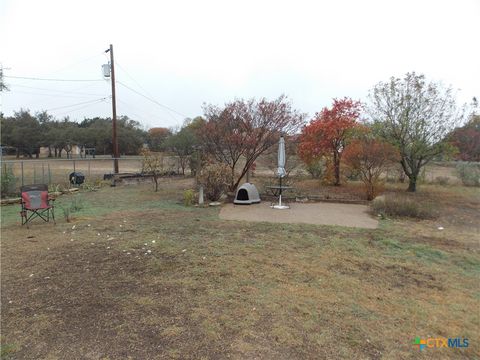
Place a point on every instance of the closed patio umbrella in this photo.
(281, 171)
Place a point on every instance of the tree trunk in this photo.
(412, 184)
(233, 185)
(336, 166)
(156, 182)
(413, 177)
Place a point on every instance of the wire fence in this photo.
(16, 173)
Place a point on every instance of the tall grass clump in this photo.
(403, 205)
(71, 208)
(469, 173)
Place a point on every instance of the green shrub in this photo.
(403, 205)
(8, 180)
(315, 168)
(189, 197)
(469, 173)
(441, 180)
(215, 178)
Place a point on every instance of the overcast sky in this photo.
(185, 53)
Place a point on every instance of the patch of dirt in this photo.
(394, 276)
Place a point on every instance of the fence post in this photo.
(34, 173)
(49, 175)
(89, 168)
(43, 172)
(21, 163)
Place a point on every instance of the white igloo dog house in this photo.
(247, 194)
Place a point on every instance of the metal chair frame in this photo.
(41, 212)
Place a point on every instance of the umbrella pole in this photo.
(280, 198)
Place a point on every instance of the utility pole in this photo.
(116, 154)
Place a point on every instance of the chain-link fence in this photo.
(16, 173)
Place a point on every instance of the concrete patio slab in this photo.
(351, 215)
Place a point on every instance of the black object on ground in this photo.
(76, 178)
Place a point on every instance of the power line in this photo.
(148, 115)
(141, 87)
(48, 79)
(81, 103)
(152, 100)
(80, 108)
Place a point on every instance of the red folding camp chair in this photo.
(36, 203)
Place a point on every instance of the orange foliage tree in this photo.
(156, 138)
(370, 158)
(328, 133)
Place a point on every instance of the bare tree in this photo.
(152, 163)
(246, 129)
(415, 116)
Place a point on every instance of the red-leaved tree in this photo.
(370, 157)
(328, 133)
(467, 140)
(242, 130)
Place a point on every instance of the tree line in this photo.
(27, 133)
(409, 121)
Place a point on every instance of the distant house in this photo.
(77, 151)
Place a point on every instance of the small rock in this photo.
(121, 225)
(88, 225)
(98, 234)
(71, 239)
(153, 241)
(111, 238)
(128, 253)
(10, 302)
(440, 228)
(124, 221)
(31, 275)
(47, 277)
(48, 248)
(108, 247)
(92, 243)
(204, 258)
(73, 227)
(184, 250)
(149, 251)
(64, 232)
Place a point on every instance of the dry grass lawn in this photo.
(137, 275)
